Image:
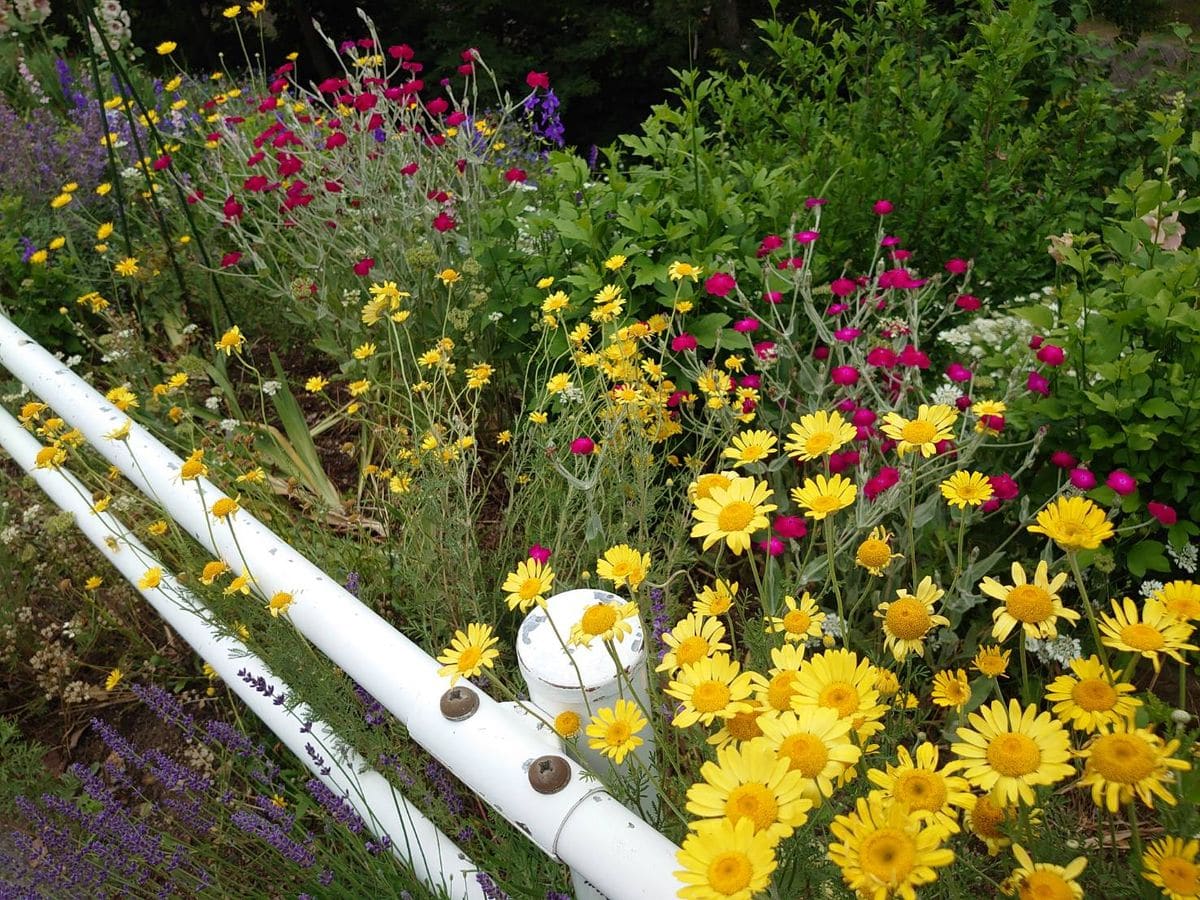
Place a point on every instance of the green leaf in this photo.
(706, 328)
(1160, 408)
(1147, 556)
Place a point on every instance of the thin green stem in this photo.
(837, 591)
(1091, 613)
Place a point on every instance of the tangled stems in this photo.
(1091, 613)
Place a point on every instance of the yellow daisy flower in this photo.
(469, 653)
(613, 730)
(909, 618)
(821, 497)
(1155, 631)
(875, 553)
(1128, 762)
(231, 340)
(932, 424)
(839, 680)
(1039, 880)
(691, 640)
(623, 565)
(990, 821)
(816, 743)
(1074, 523)
(932, 794)
(677, 271)
(279, 603)
(1169, 864)
(606, 621)
(716, 599)
(963, 489)
(951, 689)
(733, 514)
(739, 728)
(1092, 698)
(529, 584)
(776, 694)
(750, 446)
(800, 622)
(818, 434)
(567, 724)
(884, 851)
(1034, 606)
(1180, 599)
(725, 860)
(711, 688)
(991, 662)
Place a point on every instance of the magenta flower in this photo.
(769, 243)
(719, 284)
(836, 309)
(444, 222)
(772, 546)
(363, 267)
(958, 373)
(882, 357)
(1165, 514)
(773, 296)
(750, 381)
(844, 375)
(957, 266)
(582, 446)
(794, 262)
(900, 279)
(847, 406)
(887, 478)
(842, 287)
(863, 417)
(539, 553)
(814, 201)
(911, 357)
(1121, 482)
(963, 403)
(1051, 354)
(1004, 486)
(821, 352)
(992, 423)
(847, 334)
(1038, 384)
(1083, 479)
(538, 80)
(968, 302)
(840, 462)
(890, 240)
(1062, 459)
(682, 342)
(230, 259)
(765, 350)
(805, 237)
(882, 207)
(515, 175)
(1036, 341)
(790, 527)
(745, 326)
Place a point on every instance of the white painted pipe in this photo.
(490, 752)
(435, 859)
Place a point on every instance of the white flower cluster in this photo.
(987, 336)
(1061, 650)
(115, 22)
(1150, 586)
(946, 394)
(270, 387)
(1186, 558)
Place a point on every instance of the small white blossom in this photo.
(1061, 650)
(946, 395)
(1186, 557)
(270, 387)
(229, 425)
(213, 403)
(1150, 586)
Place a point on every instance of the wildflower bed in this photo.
(892, 650)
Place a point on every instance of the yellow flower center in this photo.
(690, 650)
(530, 588)
(710, 697)
(1179, 875)
(825, 503)
(818, 443)
(1014, 755)
(1029, 603)
(1140, 636)
(1044, 885)
(598, 618)
(567, 723)
(841, 696)
(921, 790)
(1094, 695)
(874, 554)
(469, 658)
(618, 733)
(752, 452)
(907, 619)
(780, 690)
(917, 432)
(806, 753)
(705, 484)
(797, 622)
(735, 516)
(887, 855)
(191, 468)
(987, 818)
(743, 726)
(753, 802)
(729, 872)
(1123, 758)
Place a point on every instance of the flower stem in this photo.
(1091, 613)
(1135, 833)
(837, 591)
(1024, 665)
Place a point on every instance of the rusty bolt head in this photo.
(549, 774)
(459, 703)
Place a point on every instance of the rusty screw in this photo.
(459, 703)
(549, 774)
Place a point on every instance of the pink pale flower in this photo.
(968, 302)
(745, 326)
(1062, 459)
(1038, 384)
(444, 222)
(582, 446)
(770, 243)
(842, 287)
(821, 352)
(882, 207)
(1083, 479)
(538, 80)
(683, 342)
(363, 267)
(719, 284)
(847, 334)
(539, 553)
(864, 417)
(805, 237)
(765, 350)
(958, 373)
(957, 266)
(1004, 486)
(844, 375)
(882, 357)
(1121, 482)
(790, 527)
(1051, 354)
(1165, 514)
(772, 546)
(773, 297)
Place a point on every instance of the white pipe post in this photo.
(433, 857)
(490, 751)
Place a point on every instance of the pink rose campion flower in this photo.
(882, 207)
(1038, 384)
(1121, 482)
(790, 527)
(1083, 479)
(842, 287)
(769, 244)
(1062, 459)
(805, 237)
(1051, 354)
(958, 373)
(1004, 486)
(968, 302)
(745, 326)
(1165, 514)
(863, 417)
(844, 375)
(772, 546)
(539, 553)
(847, 334)
(682, 342)
(957, 266)
(583, 446)
(720, 284)
(773, 297)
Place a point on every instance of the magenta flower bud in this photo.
(963, 403)
(1121, 482)
(1051, 354)
(683, 342)
(773, 297)
(882, 207)
(945, 447)
(901, 255)
(821, 352)
(889, 240)
(990, 505)
(862, 432)
(772, 546)
(790, 527)
(745, 326)
(1004, 486)
(1038, 384)
(863, 416)
(769, 243)
(1062, 459)
(719, 284)
(969, 302)
(992, 423)
(582, 446)
(1083, 479)
(814, 201)
(844, 375)
(846, 459)
(1165, 514)
(836, 309)
(539, 553)
(958, 373)
(957, 266)
(847, 406)
(842, 287)
(1036, 341)
(888, 476)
